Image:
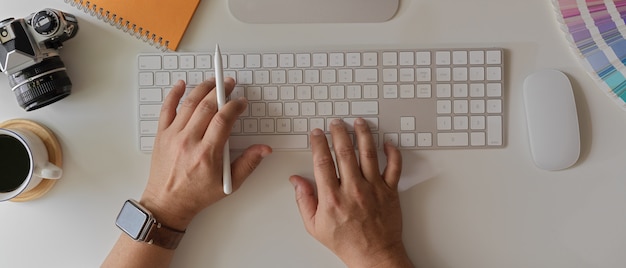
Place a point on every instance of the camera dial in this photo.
(45, 22)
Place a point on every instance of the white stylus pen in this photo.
(221, 100)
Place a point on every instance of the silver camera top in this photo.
(25, 42)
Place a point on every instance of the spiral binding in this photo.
(119, 22)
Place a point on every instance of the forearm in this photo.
(130, 253)
(394, 257)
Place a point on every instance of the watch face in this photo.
(132, 220)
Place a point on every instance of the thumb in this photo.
(245, 164)
(306, 200)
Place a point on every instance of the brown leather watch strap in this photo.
(163, 236)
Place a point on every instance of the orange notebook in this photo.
(161, 23)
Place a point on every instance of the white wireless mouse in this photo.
(552, 120)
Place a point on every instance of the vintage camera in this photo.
(29, 56)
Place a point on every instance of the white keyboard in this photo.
(416, 99)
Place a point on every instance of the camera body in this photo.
(29, 56)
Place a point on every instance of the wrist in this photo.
(393, 256)
(165, 215)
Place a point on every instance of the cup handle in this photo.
(49, 171)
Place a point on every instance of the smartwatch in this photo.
(138, 223)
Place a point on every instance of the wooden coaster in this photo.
(55, 155)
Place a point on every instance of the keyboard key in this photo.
(364, 108)
(353, 59)
(149, 127)
(494, 73)
(187, 62)
(270, 60)
(329, 76)
(424, 139)
(203, 61)
(390, 91)
(407, 91)
(286, 60)
(407, 139)
(494, 57)
(477, 138)
(477, 57)
(494, 130)
(442, 57)
(459, 57)
(390, 58)
(494, 90)
(477, 73)
(320, 59)
(146, 79)
(345, 75)
(391, 138)
(170, 62)
(146, 143)
(390, 75)
(150, 94)
(407, 59)
(253, 61)
(370, 59)
(366, 75)
(237, 61)
(336, 59)
(422, 58)
(423, 74)
(453, 139)
(149, 62)
(407, 75)
(407, 123)
(370, 92)
(303, 60)
(274, 141)
(149, 110)
(423, 91)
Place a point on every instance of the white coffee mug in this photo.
(23, 162)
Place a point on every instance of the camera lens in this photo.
(41, 84)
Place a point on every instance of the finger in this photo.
(306, 201)
(191, 101)
(245, 164)
(368, 157)
(168, 110)
(229, 85)
(349, 171)
(393, 169)
(323, 163)
(202, 116)
(222, 122)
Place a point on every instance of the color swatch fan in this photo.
(596, 30)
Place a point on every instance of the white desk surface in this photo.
(477, 208)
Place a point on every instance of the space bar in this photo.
(293, 141)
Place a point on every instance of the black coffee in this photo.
(14, 163)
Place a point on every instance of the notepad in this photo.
(596, 31)
(160, 23)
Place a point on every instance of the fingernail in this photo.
(359, 121)
(179, 83)
(336, 122)
(317, 132)
(389, 143)
(242, 100)
(265, 153)
(296, 186)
